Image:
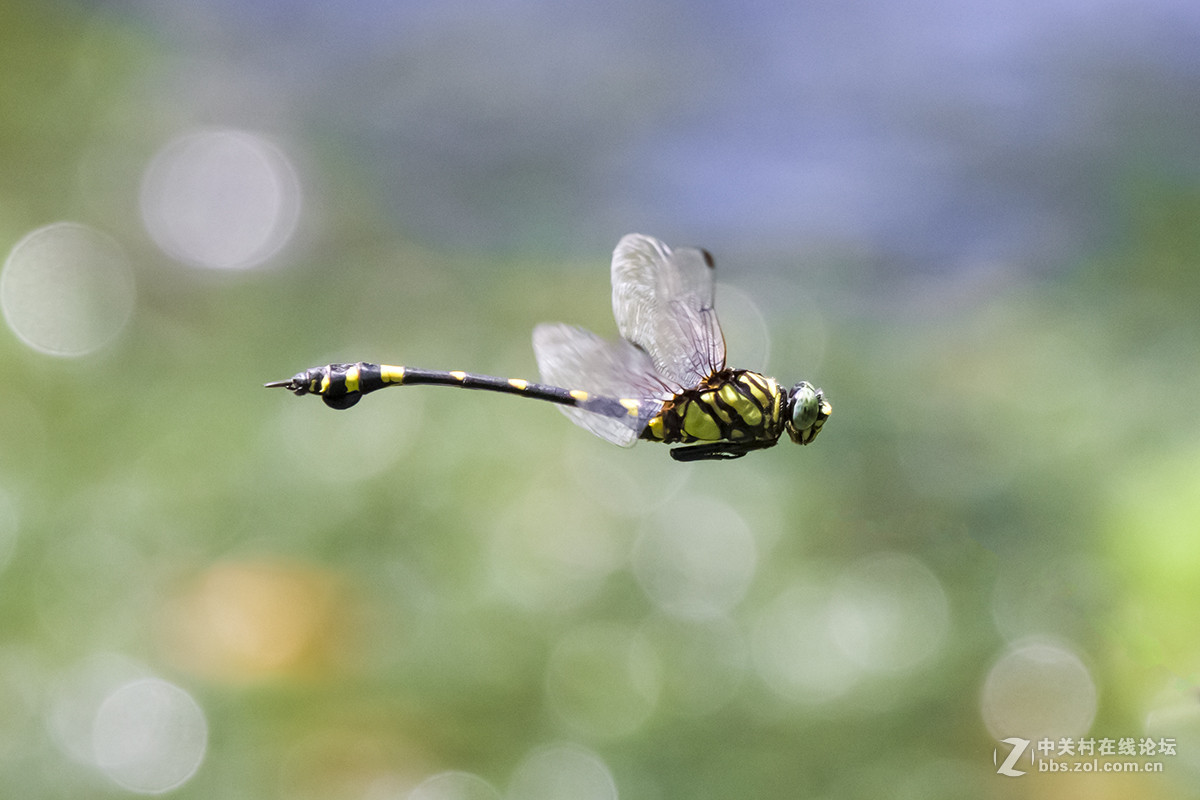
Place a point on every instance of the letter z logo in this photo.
(1018, 750)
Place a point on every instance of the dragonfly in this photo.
(665, 380)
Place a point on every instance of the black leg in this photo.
(716, 451)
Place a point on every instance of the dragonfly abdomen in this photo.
(341, 386)
(732, 405)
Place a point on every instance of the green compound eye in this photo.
(806, 404)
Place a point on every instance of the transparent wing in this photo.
(574, 358)
(663, 303)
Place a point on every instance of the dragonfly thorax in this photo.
(730, 405)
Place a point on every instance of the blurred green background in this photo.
(978, 229)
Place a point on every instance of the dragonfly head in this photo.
(808, 411)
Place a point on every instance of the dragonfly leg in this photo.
(717, 451)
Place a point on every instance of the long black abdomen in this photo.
(342, 385)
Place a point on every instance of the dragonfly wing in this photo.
(575, 358)
(663, 303)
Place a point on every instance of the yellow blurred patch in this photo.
(250, 620)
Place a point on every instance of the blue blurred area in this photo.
(938, 134)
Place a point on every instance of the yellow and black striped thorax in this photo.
(731, 405)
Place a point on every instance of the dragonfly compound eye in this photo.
(806, 405)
